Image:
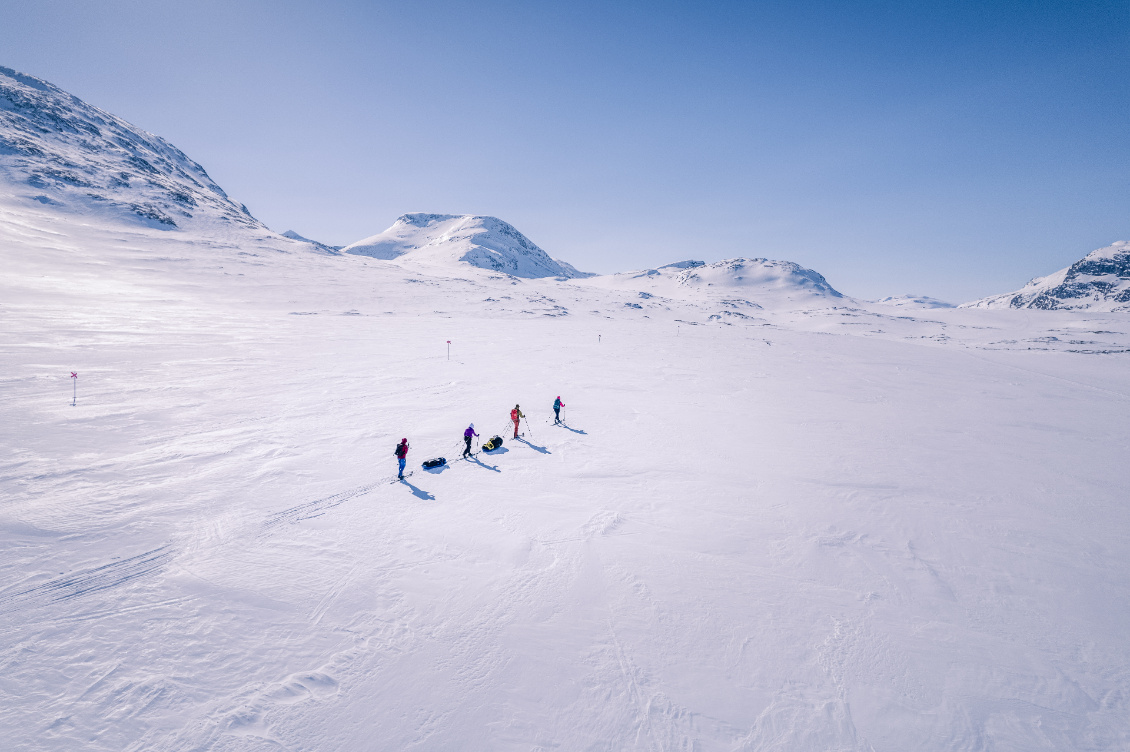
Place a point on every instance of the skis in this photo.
(407, 474)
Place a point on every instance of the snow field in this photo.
(810, 533)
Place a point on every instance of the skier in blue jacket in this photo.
(557, 405)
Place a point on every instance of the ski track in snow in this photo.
(87, 581)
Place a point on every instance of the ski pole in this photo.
(528, 427)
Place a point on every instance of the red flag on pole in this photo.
(74, 375)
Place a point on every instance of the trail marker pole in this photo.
(449, 349)
(74, 399)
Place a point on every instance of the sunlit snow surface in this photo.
(775, 523)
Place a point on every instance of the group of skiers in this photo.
(516, 416)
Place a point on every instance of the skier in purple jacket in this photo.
(467, 438)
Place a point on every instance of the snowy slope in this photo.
(1100, 281)
(57, 150)
(886, 533)
(444, 240)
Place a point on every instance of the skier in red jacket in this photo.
(516, 416)
(401, 457)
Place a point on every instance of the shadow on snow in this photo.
(419, 493)
(483, 465)
(535, 447)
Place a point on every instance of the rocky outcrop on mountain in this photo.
(444, 240)
(60, 151)
(1100, 281)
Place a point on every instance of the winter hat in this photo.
(472, 425)
(404, 441)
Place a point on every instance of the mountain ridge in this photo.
(58, 150)
(1098, 281)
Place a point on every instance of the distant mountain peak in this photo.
(914, 301)
(448, 239)
(1098, 281)
(58, 150)
(757, 272)
(763, 282)
(331, 249)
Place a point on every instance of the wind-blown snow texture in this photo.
(1100, 281)
(776, 519)
(484, 242)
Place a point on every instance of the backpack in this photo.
(437, 462)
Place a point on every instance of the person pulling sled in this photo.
(557, 405)
(467, 436)
(401, 457)
(516, 416)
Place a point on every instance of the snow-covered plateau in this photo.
(776, 517)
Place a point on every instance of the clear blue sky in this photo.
(953, 149)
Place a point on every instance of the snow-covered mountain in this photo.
(60, 151)
(760, 274)
(763, 281)
(916, 302)
(1099, 281)
(331, 249)
(444, 240)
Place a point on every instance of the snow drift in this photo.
(445, 240)
(1100, 281)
